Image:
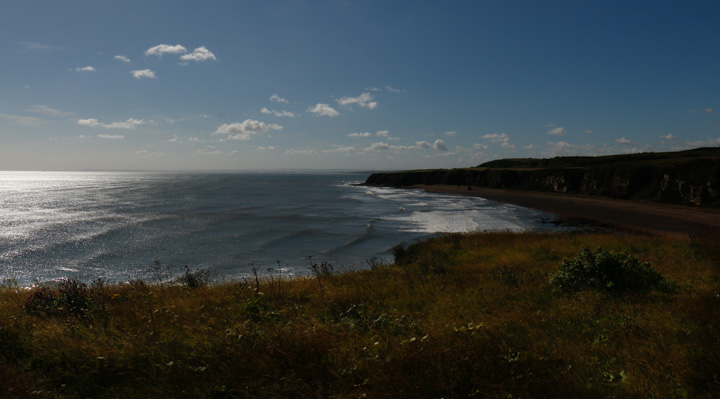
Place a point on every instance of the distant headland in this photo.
(690, 177)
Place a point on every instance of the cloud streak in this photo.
(246, 129)
(128, 124)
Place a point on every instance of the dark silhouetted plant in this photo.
(195, 278)
(607, 271)
(41, 300)
(73, 296)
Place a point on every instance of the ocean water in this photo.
(114, 225)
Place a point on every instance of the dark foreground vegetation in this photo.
(689, 177)
(495, 315)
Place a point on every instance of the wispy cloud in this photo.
(143, 73)
(323, 110)
(276, 98)
(161, 49)
(27, 121)
(668, 137)
(364, 100)
(501, 138)
(128, 124)
(122, 58)
(199, 54)
(85, 69)
(365, 134)
(451, 133)
(148, 153)
(245, 130)
(38, 46)
(45, 110)
(624, 141)
(340, 149)
(283, 113)
(111, 136)
(294, 151)
(709, 111)
(558, 131)
(209, 151)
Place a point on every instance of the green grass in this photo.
(458, 316)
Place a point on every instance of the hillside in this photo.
(689, 177)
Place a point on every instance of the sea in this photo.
(123, 226)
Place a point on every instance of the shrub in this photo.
(607, 271)
(195, 278)
(40, 300)
(73, 295)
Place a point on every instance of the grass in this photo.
(470, 315)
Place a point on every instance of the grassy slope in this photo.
(465, 315)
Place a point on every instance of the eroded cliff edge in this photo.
(689, 177)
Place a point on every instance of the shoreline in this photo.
(675, 221)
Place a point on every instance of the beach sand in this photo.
(640, 216)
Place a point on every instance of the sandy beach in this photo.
(662, 219)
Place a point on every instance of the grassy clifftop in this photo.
(687, 177)
(458, 316)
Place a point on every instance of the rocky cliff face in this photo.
(692, 183)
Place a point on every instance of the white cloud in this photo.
(529, 147)
(378, 147)
(439, 145)
(668, 137)
(550, 125)
(383, 133)
(364, 100)
(277, 113)
(111, 136)
(323, 110)
(143, 73)
(710, 142)
(266, 149)
(208, 151)
(45, 110)
(245, 130)
(293, 151)
(624, 141)
(129, 124)
(451, 133)
(366, 134)
(24, 120)
(276, 98)
(148, 153)
(161, 49)
(501, 138)
(392, 90)
(558, 131)
(480, 147)
(199, 54)
(85, 69)
(560, 145)
(121, 58)
(341, 149)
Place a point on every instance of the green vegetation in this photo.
(472, 315)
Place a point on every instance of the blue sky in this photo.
(351, 84)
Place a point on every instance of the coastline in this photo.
(675, 221)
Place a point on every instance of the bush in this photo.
(607, 271)
(73, 296)
(195, 278)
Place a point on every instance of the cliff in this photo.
(687, 177)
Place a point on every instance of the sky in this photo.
(355, 85)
